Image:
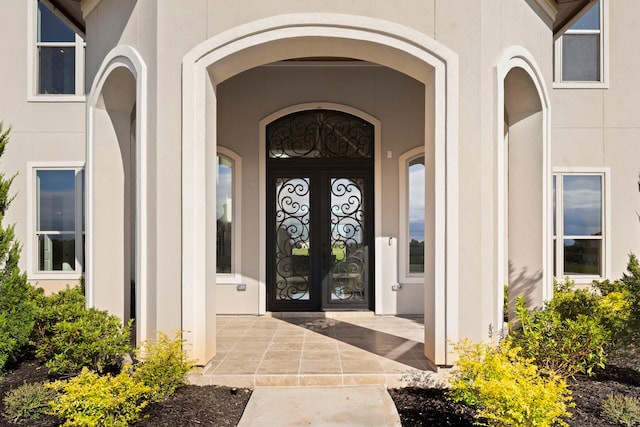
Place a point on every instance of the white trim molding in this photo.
(519, 57)
(324, 34)
(121, 57)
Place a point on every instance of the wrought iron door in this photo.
(320, 245)
(319, 212)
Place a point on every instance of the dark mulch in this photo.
(429, 407)
(208, 406)
(222, 406)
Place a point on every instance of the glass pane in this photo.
(56, 200)
(320, 134)
(582, 198)
(57, 70)
(582, 256)
(416, 215)
(57, 252)
(224, 215)
(51, 28)
(554, 206)
(581, 57)
(590, 20)
(292, 238)
(348, 251)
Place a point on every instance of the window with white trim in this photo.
(412, 221)
(228, 169)
(59, 220)
(580, 52)
(579, 208)
(58, 55)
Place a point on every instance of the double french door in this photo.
(320, 242)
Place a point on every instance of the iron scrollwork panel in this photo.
(293, 244)
(348, 247)
(320, 134)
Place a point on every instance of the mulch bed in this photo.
(223, 406)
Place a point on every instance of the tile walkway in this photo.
(313, 350)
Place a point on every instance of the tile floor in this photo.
(349, 349)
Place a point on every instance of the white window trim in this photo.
(235, 277)
(403, 241)
(604, 54)
(32, 246)
(32, 61)
(605, 173)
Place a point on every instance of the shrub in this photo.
(90, 400)
(163, 365)
(627, 290)
(28, 401)
(506, 388)
(621, 410)
(95, 339)
(16, 311)
(65, 305)
(571, 335)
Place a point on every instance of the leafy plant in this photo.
(95, 339)
(627, 290)
(65, 305)
(506, 388)
(28, 401)
(90, 400)
(16, 310)
(571, 334)
(621, 410)
(163, 365)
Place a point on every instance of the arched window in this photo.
(227, 209)
(412, 224)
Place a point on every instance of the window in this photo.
(58, 56)
(412, 221)
(579, 225)
(580, 53)
(227, 207)
(59, 221)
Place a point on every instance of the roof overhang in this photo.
(568, 12)
(70, 12)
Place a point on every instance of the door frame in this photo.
(376, 272)
(320, 171)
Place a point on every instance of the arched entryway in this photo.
(116, 189)
(523, 182)
(320, 35)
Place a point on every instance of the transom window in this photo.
(579, 225)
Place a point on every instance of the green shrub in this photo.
(571, 335)
(16, 310)
(506, 388)
(621, 410)
(28, 401)
(90, 400)
(65, 305)
(163, 365)
(625, 291)
(95, 339)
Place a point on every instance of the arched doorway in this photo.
(319, 212)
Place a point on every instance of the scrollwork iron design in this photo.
(320, 134)
(347, 239)
(292, 251)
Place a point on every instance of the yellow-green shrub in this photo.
(90, 400)
(163, 365)
(506, 388)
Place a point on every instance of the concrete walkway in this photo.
(320, 406)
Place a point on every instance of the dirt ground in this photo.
(223, 406)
